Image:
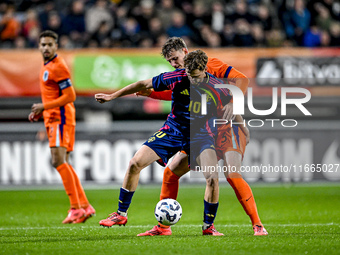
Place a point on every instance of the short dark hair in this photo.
(173, 43)
(49, 33)
(195, 60)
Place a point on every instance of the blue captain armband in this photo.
(65, 84)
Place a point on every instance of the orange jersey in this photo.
(57, 92)
(223, 71)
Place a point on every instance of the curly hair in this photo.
(195, 60)
(173, 43)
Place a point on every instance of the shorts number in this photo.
(160, 134)
(224, 138)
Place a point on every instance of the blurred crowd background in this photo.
(148, 23)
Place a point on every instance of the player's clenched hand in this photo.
(102, 98)
(228, 112)
(34, 117)
(144, 92)
(37, 108)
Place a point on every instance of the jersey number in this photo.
(196, 106)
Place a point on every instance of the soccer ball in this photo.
(168, 211)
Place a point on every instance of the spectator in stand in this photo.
(74, 21)
(312, 37)
(241, 12)
(30, 22)
(165, 12)
(65, 42)
(54, 23)
(217, 17)
(130, 30)
(243, 37)
(297, 21)
(265, 18)
(178, 26)
(335, 34)
(48, 7)
(199, 17)
(323, 18)
(228, 34)
(161, 40)
(155, 30)
(143, 13)
(102, 35)
(20, 42)
(257, 33)
(210, 37)
(9, 28)
(332, 6)
(325, 39)
(96, 15)
(33, 37)
(275, 38)
(145, 43)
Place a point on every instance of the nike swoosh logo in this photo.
(249, 198)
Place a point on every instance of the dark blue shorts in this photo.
(166, 144)
(199, 143)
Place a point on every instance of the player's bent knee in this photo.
(135, 166)
(212, 182)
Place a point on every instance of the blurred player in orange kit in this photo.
(58, 111)
(230, 143)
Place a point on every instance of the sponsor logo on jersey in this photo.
(185, 92)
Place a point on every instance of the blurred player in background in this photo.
(58, 111)
(230, 143)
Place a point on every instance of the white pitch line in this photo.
(177, 226)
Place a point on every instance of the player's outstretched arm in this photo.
(144, 92)
(130, 89)
(165, 95)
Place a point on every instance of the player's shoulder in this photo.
(213, 79)
(216, 61)
(60, 61)
(178, 73)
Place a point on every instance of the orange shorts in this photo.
(61, 135)
(230, 139)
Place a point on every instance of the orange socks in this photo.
(81, 193)
(169, 185)
(245, 196)
(69, 184)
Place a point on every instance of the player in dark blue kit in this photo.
(202, 136)
(203, 131)
(174, 135)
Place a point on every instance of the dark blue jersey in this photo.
(216, 99)
(177, 81)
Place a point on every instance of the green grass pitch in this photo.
(300, 219)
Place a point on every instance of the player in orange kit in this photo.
(58, 111)
(230, 143)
